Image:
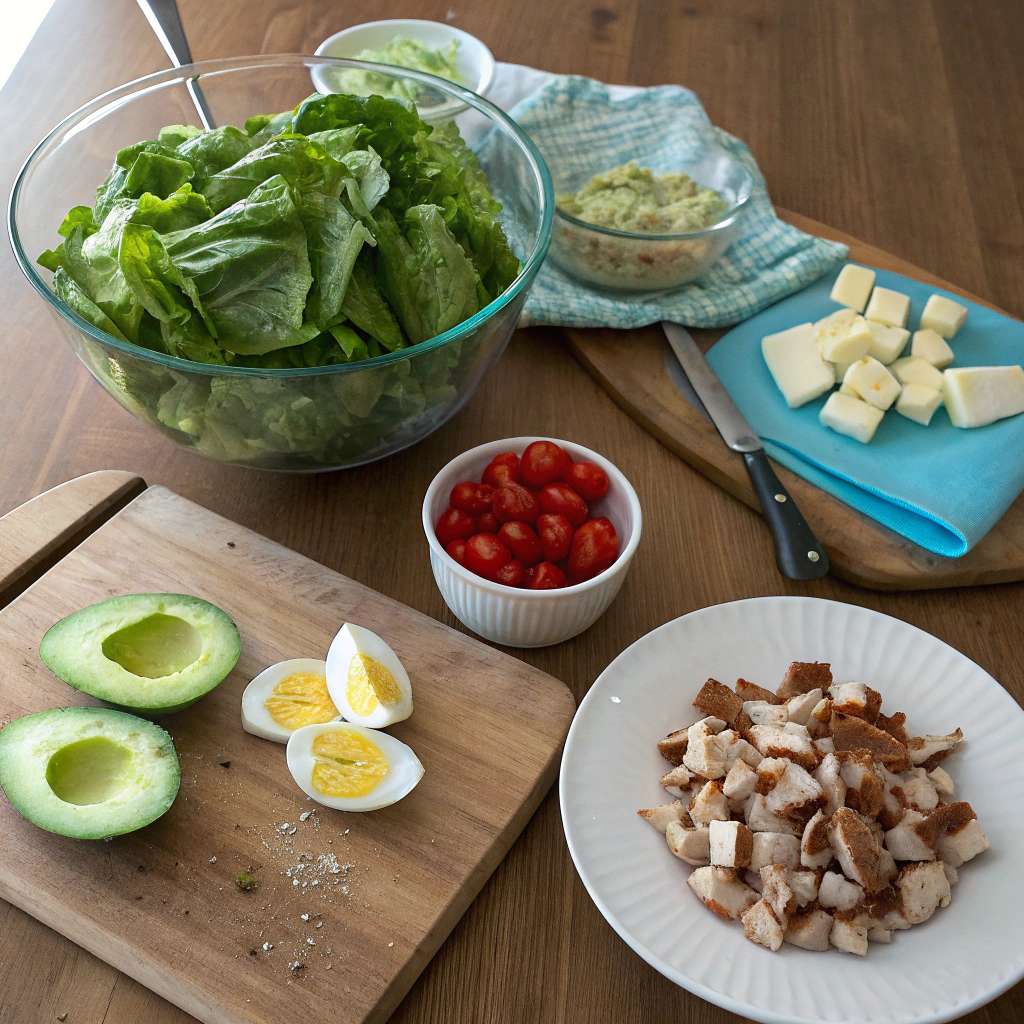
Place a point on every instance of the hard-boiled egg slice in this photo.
(350, 767)
(366, 680)
(286, 697)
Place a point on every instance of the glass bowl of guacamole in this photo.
(634, 229)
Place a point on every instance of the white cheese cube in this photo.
(796, 364)
(915, 370)
(850, 416)
(872, 382)
(842, 337)
(888, 307)
(918, 403)
(977, 395)
(853, 287)
(944, 316)
(932, 348)
(886, 342)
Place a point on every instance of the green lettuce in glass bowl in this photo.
(317, 283)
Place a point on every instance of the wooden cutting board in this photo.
(381, 890)
(631, 366)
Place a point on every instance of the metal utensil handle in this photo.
(798, 553)
(165, 21)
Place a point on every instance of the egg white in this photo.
(255, 717)
(350, 641)
(405, 768)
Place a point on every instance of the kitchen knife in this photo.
(798, 554)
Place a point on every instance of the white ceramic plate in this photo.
(963, 957)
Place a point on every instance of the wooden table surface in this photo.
(902, 124)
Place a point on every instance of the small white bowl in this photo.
(474, 62)
(529, 618)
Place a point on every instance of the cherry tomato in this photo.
(555, 536)
(515, 502)
(485, 555)
(528, 575)
(472, 498)
(523, 542)
(503, 469)
(457, 549)
(547, 576)
(560, 499)
(590, 482)
(454, 525)
(487, 523)
(595, 546)
(511, 574)
(543, 463)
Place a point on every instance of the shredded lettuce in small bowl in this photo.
(403, 53)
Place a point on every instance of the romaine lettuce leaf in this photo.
(144, 167)
(67, 290)
(368, 310)
(213, 151)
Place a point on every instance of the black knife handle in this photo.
(798, 554)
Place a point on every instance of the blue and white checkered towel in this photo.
(582, 128)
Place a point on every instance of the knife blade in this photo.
(798, 553)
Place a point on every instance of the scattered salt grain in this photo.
(213, 860)
(267, 946)
(305, 917)
(304, 815)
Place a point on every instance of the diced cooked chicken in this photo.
(796, 795)
(753, 879)
(802, 676)
(918, 790)
(718, 701)
(770, 771)
(761, 925)
(961, 844)
(829, 776)
(703, 754)
(952, 876)
(825, 745)
(851, 733)
(879, 934)
(894, 804)
(801, 706)
(790, 740)
(760, 819)
(739, 784)
(849, 936)
(760, 712)
(689, 844)
(922, 888)
(804, 884)
(857, 850)
(815, 849)
(735, 748)
(930, 751)
(673, 746)
(710, 805)
(679, 780)
(820, 718)
(774, 848)
(855, 699)
(864, 789)
(722, 891)
(893, 725)
(942, 782)
(904, 842)
(776, 890)
(836, 891)
(809, 930)
(747, 690)
(731, 844)
(660, 816)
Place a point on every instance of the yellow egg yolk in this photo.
(347, 764)
(369, 685)
(301, 699)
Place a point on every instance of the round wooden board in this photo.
(631, 366)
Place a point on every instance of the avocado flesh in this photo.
(147, 653)
(88, 773)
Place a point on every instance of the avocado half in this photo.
(88, 773)
(150, 653)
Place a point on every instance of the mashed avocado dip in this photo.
(633, 198)
(403, 53)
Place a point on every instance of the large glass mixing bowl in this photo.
(307, 419)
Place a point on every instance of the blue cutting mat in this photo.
(942, 487)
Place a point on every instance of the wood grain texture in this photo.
(631, 367)
(379, 892)
(900, 124)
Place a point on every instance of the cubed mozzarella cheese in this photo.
(796, 364)
(888, 307)
(918, 403)
(842, 337)
(853, 287)
(915, 370)
(944, 316)
(886, 342)
(977, 395)
(850, 416)
(840, 371)
(932, 348)
(872, 382)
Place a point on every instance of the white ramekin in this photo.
(529, 618)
